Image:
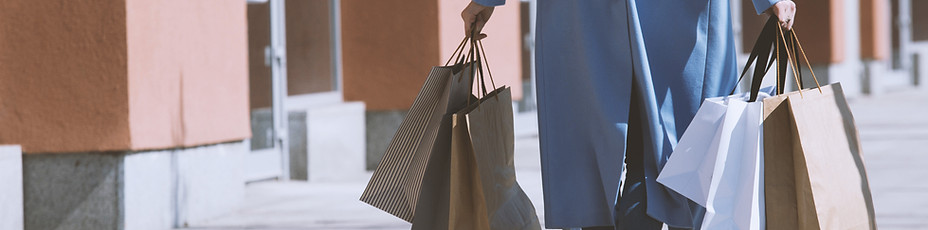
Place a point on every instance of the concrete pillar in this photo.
(156, 190)
(327, 138)
(336, 142)
(130, 113)
(11, 187)
(122, 74)
(902, 34)
(919, 42)
(874, 29)
(875, 42)
(381, 125)
(849, 69)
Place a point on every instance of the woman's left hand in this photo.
(785, 11)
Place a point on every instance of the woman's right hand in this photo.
(785, 11)
(476, 13)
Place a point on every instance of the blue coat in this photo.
(587, 55)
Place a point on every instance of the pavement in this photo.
(894, 136)
(893, 129)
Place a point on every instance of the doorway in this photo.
(267, 84)
(294, 64)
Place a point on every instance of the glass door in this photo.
(268, 84)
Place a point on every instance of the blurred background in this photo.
(271, 114)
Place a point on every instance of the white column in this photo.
(11, 187)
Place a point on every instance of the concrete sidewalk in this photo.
(894, 134)
(893, 128)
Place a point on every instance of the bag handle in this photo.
(794, 60)
(795, 37)
(766, 50)
(477, 58)
(457, 53)
(760, 55)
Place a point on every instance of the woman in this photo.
(622, 79)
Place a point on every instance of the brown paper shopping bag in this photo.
(814, 175)
(484, 191)
(467, 208)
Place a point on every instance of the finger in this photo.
(784, 20)
(481, 22)
(790, 25)
(468, 21)
(481, 36)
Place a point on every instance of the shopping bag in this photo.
(717, 162)
(468, 209)
(474, 187)
(485, 194)
(422, 141)
(815, 175)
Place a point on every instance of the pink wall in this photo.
(188, 72)
(115, 75)
(503, 42)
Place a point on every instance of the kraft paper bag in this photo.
(468, 210)
(814, 171)
(484, 191)
(718, 162)
(422, 142)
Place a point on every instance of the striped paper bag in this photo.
(422, 140)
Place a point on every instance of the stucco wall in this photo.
(188, 72)
(63, 83)
(388, 48)
(107, 75)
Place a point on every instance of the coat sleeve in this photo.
(501, 2)
(759, 5)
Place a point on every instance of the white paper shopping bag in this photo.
(717, 163)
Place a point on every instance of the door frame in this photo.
(274, 163)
